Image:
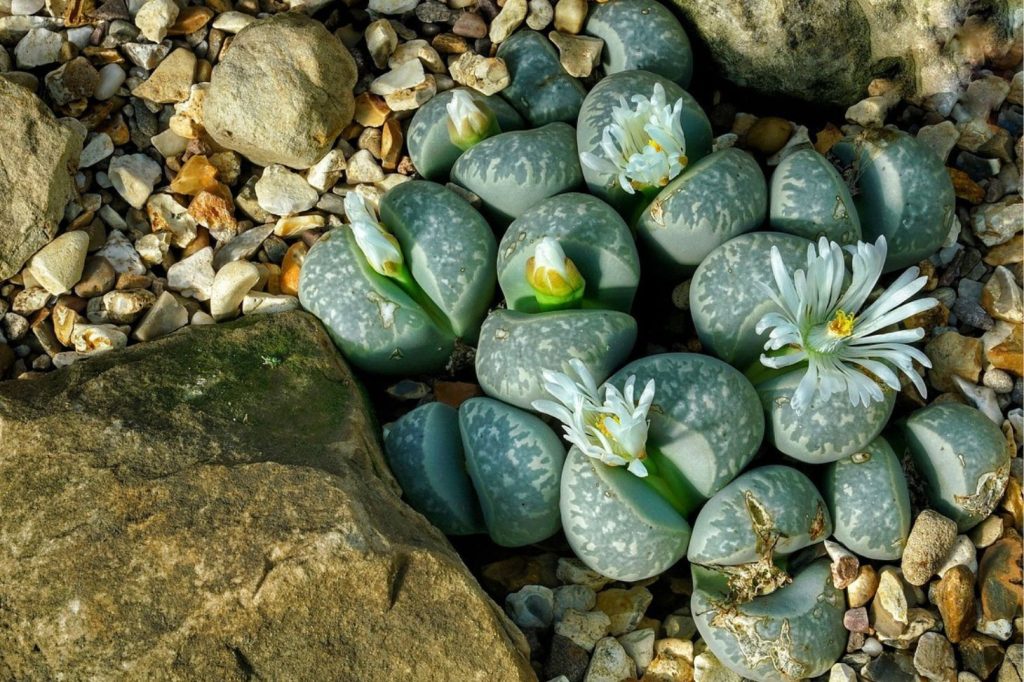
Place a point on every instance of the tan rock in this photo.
(955, 599)
(570, 15)
(511, 17)
(930, 540)
(171, 81)
(45, 154)
(486, 75)
(58, 265)
(953, 354)
(1002, 297)
(222, 528)
(577, 54)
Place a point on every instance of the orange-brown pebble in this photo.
(290, 267)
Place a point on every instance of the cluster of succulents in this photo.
(742, 460)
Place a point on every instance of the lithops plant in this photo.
(837, 351)
(488, 467)
(513, 171)
(705, 421)
(903, 193)
(792, 634)
(539, 88)
(719, 197)
(640, 464)
(515, 348)
(641, 34)
(868, 501)
(766, 512)
(515, 462)
(395, 295)
(726, 296)
(432, 130)
(593, 237)
(426, 457)
(828, 429)
(622, 168)
(809, 198)
(963, 457)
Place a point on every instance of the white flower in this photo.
(551, 273)
(603, 423)
(644, 145)
(826, 327)
(468, 123)
(378, 246)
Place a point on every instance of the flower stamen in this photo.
(841, 325)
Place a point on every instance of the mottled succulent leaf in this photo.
(615, 523)
(515, 348)
(869, 503)
(641, 34)
(591, 233)
(425, 454)
(793, 634)
(430, 145)
(963, 457)
(768, 511)
(596, 113)
(375, 323)
(827, 430)
(539, 88)
(515, 462)
(903, 193)
(705, 419)
(513, 171)
(719, 197)
(809, 198)
(725, 299)
(450, 247)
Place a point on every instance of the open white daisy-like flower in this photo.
(644, 145)
(822, 324)
(468, 123)
(377, 244)
(603, 423)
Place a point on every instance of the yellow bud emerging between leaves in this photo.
(554, 277)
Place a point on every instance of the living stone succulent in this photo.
(719, 197)
(429, 136)
(903, 193)
(513, 171)
(641, 35)
(515, 348)
(487, 467)
(539, 88)
(614, 101)
(963, 457)
(809, 198)
(794, 633)
(396, 301)
(868, 501)
(593, 237)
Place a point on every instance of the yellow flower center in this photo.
(654, 145)
(841, 325)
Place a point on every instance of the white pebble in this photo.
(193, 276)
(97, 338)
(111, 78)
(99, 148)
(282, 192)
(155, 17)
(232, 21)
(38, 47)
(230, 285)
(80, 36)
(122, 254)
(259, 302)
(26, 7)
(133, 176)
(58, 266)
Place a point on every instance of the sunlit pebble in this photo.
(26, 7)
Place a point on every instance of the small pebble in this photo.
(58, 266)
(583, 628)
(531, 607)
(230, 285)
(282, 192)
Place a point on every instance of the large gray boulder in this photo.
(38, 160)
(827, 51)
(282, 92)
(214, 506)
